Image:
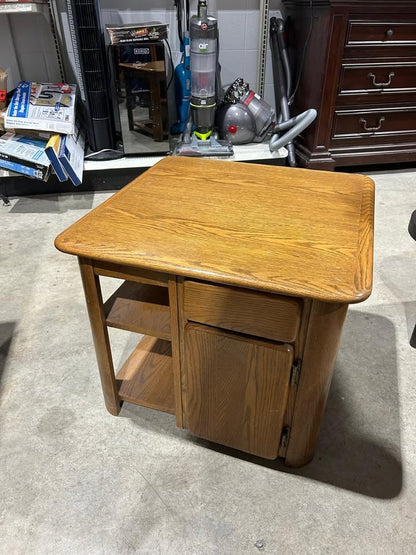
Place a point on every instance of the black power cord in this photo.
(302, 62)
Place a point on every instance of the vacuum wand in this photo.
(280, 80)
(282, 85)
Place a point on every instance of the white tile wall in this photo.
(250, 68)
(232, 66)
(251, 41)
(232, 29)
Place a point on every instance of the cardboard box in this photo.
(137, 32)
(42, 107)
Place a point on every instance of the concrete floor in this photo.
(76, 480)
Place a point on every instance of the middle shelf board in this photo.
(146, 378)
(140, 308)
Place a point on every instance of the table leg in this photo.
(156, 108)
(93, 296)
(321, 347)
(129, 103)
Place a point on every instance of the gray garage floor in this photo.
(76, 480)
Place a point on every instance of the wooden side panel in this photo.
(181, 344)
(176, 360)
(237, 389)
(321, 346)
(241, 310)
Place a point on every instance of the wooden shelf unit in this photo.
(141, 305)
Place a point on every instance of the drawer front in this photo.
(377, 83)
(250, 312)
(381, 32)
(375, 125)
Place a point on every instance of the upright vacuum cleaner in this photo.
(198, 138)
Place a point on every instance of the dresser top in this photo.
(283, 230)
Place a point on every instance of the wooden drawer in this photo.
(377, 125)
(377, 83)
(380, 32)
(250, 312)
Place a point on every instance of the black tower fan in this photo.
(92, 75)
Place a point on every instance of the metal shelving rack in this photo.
(46, 10)
(262, 52)
(243, 152)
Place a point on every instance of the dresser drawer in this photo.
(380, 32)
(375, 125)
(377, 83)
(254, 313)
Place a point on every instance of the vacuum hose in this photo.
(297, 125)
(282, 85)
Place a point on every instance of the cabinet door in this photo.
(237, 389)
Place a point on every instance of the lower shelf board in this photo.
(146, 378)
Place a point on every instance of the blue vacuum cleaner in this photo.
(182, 76)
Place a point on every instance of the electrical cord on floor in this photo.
(302, 62)
(172, 67)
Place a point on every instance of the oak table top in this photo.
(284, 230)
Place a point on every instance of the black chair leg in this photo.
(412, 226)
(412, 232)
(413, 339)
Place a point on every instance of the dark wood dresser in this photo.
(359, 72)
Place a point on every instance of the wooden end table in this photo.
(239, 276)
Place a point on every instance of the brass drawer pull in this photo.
(373, 77)
(363, 122)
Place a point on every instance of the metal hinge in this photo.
(295, 373)
(284, 438)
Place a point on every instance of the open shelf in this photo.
(141, 308)
(146, 378)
